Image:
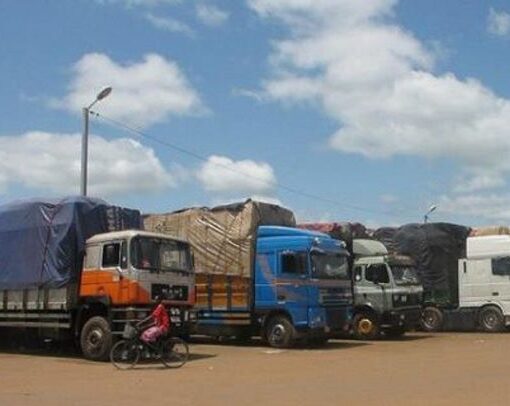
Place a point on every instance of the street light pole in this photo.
(84, 151)
(85, 139)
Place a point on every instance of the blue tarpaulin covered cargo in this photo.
(42, 242)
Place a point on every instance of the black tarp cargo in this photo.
(436, 249)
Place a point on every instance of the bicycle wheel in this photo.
(125, 354)
(174, 352)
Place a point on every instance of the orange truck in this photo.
(89, 294)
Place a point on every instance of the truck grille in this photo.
(405, 300)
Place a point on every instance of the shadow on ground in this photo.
(257, 342)
(407, 337)
(26, 344)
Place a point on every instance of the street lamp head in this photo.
(426, 216)
(104, 93)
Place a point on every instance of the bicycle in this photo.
(173, 352)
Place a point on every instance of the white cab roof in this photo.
(488, 246)
(368, 248)
(121, 235)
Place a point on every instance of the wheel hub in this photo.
(430, 319)
(365, 326)
(95, 338)
(277, 334)
(490, 320)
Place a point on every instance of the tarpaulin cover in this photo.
(222, 238)
(42, 242)
(341, 231)
(344, 231)
(436, 249)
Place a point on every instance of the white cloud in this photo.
(222, 174)
(378, 82)
(211, 15)
(474, 181)
(51, 163)
(388, 198)
(144, 93)
(498, 23)
(169, 24)
(491, 207)
(251, 94)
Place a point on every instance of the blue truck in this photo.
(281, 283)
(301, 286)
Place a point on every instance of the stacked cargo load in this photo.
(436, 249)
(223, 244)
(42, 242)
(491, 230)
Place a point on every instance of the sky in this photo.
(341, 110)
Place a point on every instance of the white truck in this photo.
(483, 287)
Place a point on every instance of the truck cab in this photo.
(387, 291)
(123, 274)
(302, 285)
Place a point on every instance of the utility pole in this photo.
(84, 151)
(85, 139)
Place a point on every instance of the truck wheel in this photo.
(365, 326)
(490, 319)
(431, 319)
(280, 333)
(96, 339)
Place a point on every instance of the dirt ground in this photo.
(440, 369)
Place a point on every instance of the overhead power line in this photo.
(276, 185)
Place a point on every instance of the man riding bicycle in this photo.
(160, 323)
(173, 352)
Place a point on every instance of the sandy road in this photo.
(442, 369)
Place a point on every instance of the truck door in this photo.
(292, 285)
(113, 260)
(499, 288)
(378, 281)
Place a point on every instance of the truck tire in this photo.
(491, 320)
(365, 326)
(280, 333)
(96, 339)
(432, 319)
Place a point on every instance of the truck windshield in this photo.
(405, 275)
(156, 254)
(327, 265)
